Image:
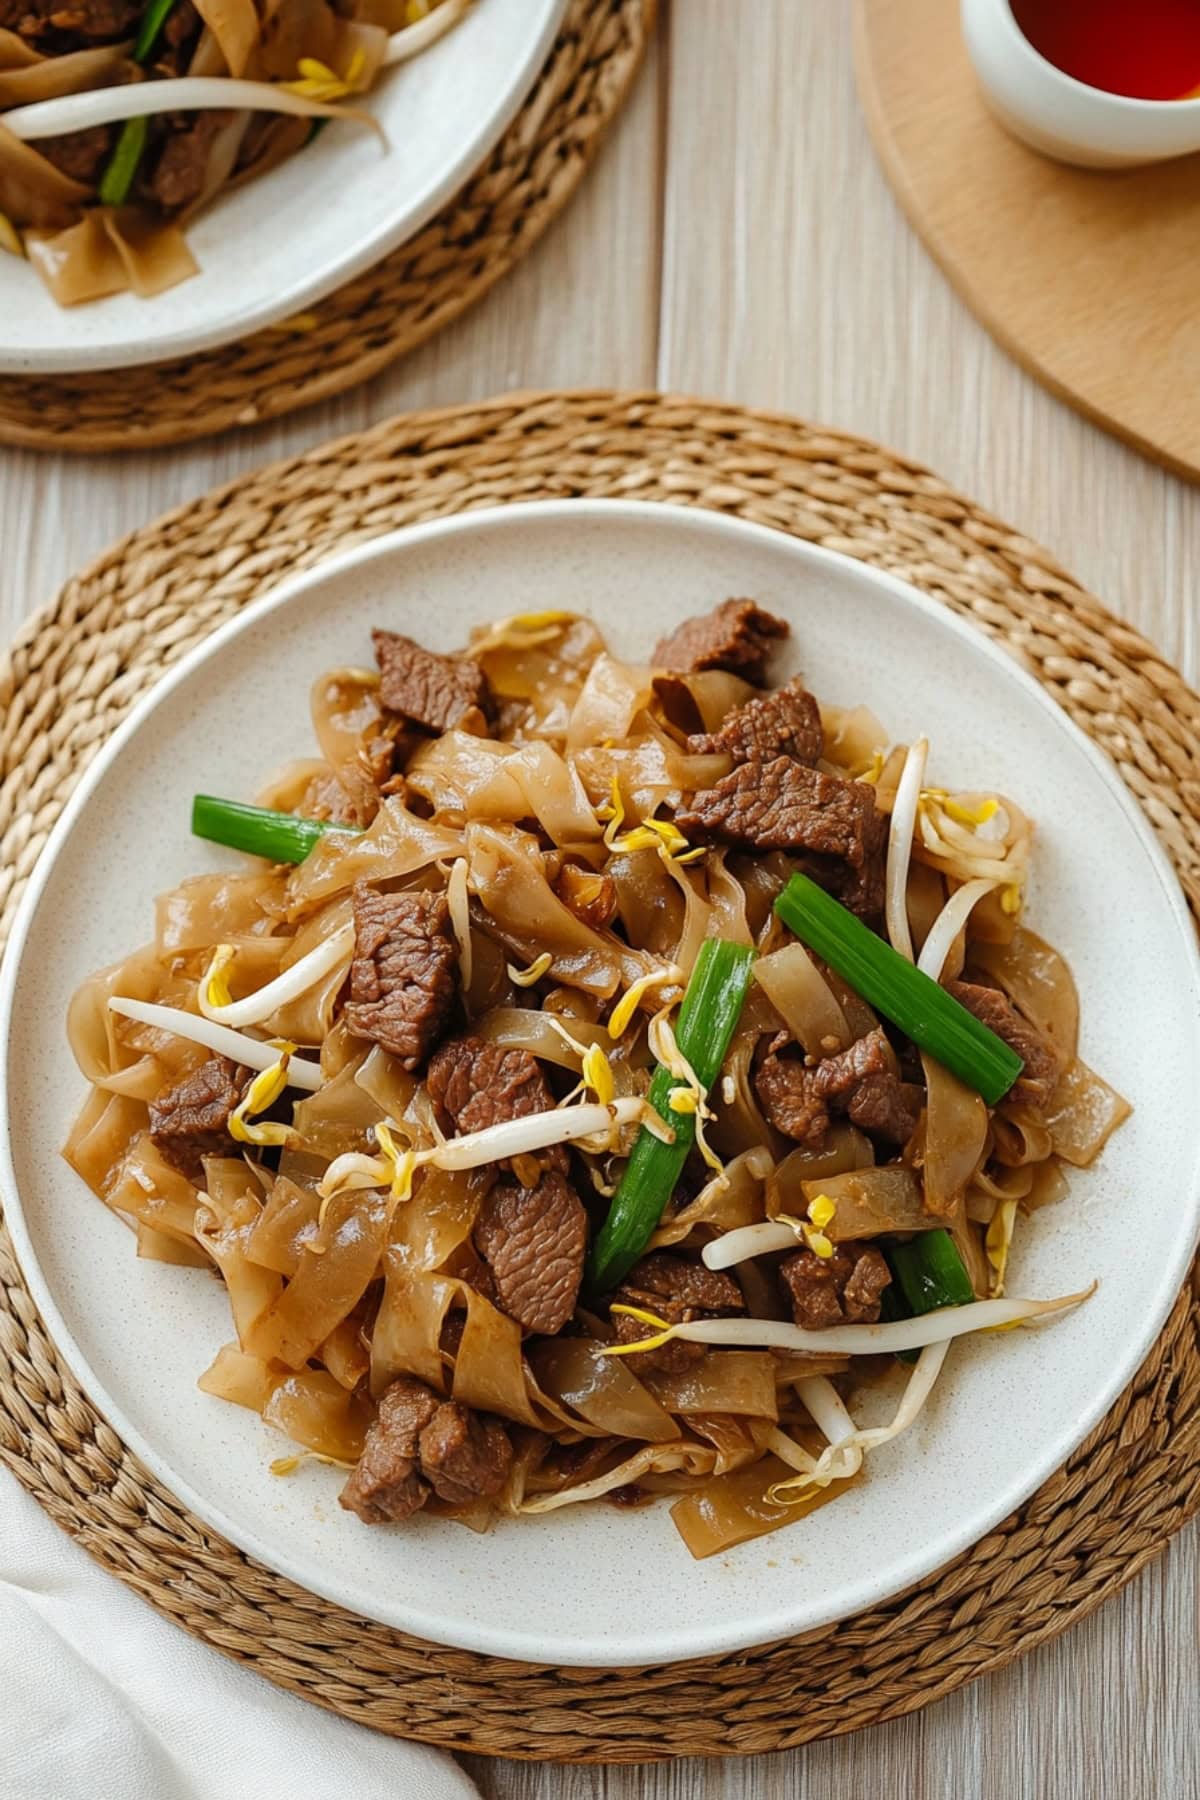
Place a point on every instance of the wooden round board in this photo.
(1087, 277)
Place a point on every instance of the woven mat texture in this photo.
(391, 309)
(73, 673)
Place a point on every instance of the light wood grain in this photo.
(1088, 278)
(737, 238)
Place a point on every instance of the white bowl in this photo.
(1060, 116)
(598, 1585)
(279, 244)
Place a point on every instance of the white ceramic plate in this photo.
(595, 1584)
(280, 244)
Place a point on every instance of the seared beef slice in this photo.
(784, 723)
(189, 1119)
(534, 1239)
(438, 692)
(421, 1442)
(402, 976)
(677, 1290)
(1043, 1065)
(782, 805)
(841, 1289)
(737, 636)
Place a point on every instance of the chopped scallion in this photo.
(279, 836)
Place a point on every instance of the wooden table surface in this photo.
(737, 239)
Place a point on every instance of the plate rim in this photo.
(306, 291)
(485, 1639)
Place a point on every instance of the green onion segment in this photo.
(117, 176)
(279, 836)
(927, 1274)
(708, 1016)
(925, 1012)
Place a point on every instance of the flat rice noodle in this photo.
(924, 898)
(34, 192)
(508, 876)
(737, 1438)
(719, 1207)
(270, 139)
(650, 905)
(285, 1228)
(50, 77)
(308, 1018)
(735, 1382)
(142, 1080)
(1049, 1185)
(327, 1287)
(601, 1389)
(340, 1050)
(853, 735)
(989, 923)
(346, 713)
(1082, 1114)
(469, 778)
(344, 1353)
(405, 1337)
(76, 264)
(253, 1291)
(234, 25)
(717, 693)
(215, 909)
(740, 1124)
(148, 1190)
(155, 256)
(612, 696)
(727, 902)
(1021, 1137)
(858, 1015)
(956, 1135)
(803, 999)
(159, 1246)
(517, 1027)
(383, 1080)
(396, 844)
(91, 1030)
(731, 1509)
(313, 1409)
(290, 30)
(100, 1136)
(990, 1188)
(439, 1218)
(241, 1379)
(968, 1241)
(844, 1150)
(1038, 981)
(490, 1372)
(649, 770)
(518, 671)
(17, 53)
(489, 986)
(870, 1202)
(337, 1118)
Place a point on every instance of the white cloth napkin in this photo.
(103, 1699)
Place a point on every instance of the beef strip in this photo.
(679, 1291)
(1043, 1064)
(841, 1289)
(421, 1443)
(784, 723)
(326, 798)
(737, 636)
(189, 1119)
(885, 1107)
(402, 977)
(797, 1096)
(534, 1241)
(438, 692)
(474, 1084)
(591, 897)
(782, 805)
(179, 174)
(80, 154)
(74, 24)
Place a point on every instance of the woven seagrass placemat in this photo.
(355, 332)
(74, 671)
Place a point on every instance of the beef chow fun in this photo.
(592, 1074)
(120, 120)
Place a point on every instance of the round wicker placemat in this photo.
(391, 309)
(71, 675)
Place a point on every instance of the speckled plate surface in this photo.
(596, 1585)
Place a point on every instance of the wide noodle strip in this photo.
(540, 1158)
